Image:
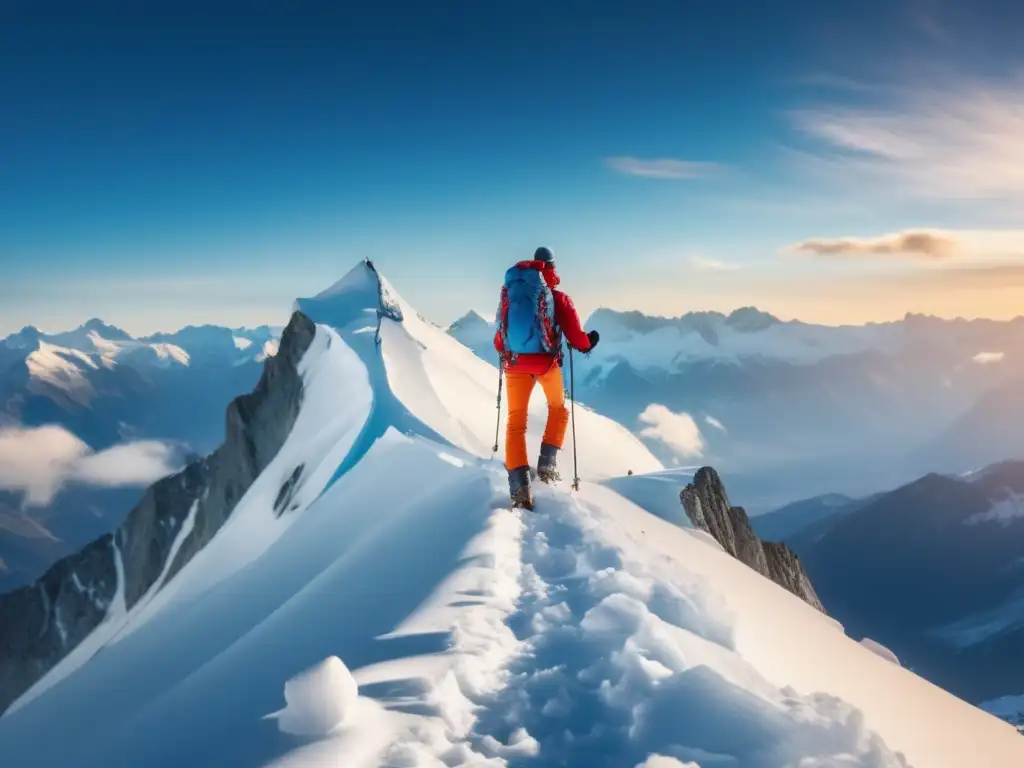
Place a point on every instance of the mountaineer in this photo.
(532, 317)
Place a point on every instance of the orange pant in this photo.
(520, 387)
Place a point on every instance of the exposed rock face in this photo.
(786, 570)
(41, 623)
(707, 505)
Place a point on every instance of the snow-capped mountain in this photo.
(237, 344)
(105, 389)
(669, 344)
(477, 333)
(944, 588)
(102, 344)
(768, 400)
(114, 345)
(82, 338)
(342, 583)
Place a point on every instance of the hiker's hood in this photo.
(546, 268)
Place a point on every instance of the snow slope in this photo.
(399, 614)
(61, 367)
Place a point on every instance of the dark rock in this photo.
(787, 571)
(287, 492)
(707, 505)
(42, 622)
(749, 548)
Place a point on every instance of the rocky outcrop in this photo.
(707, 505)
(786, 570)
(41, 623)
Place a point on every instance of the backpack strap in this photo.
(506, 355)
(552, 333)
(546, 321)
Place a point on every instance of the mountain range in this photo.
(134, 408)
(341, 582)
(786, 408)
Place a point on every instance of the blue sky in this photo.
(208, 163)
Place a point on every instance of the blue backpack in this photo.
(526, 315)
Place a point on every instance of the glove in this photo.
(594, 337)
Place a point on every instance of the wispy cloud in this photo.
(676, 430)
(916, 243)
(712, 421)
(703, 264)
(834, 82)
(956, 246)
(953, 140)
(39, 461)
(663, 168)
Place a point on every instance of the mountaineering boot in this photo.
(547, 464)
(519, 487)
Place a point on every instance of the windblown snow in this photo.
(399, 613)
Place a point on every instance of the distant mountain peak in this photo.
(470, 321)
(476, 332)
(750, 320)
(28, 336)
(107, 331)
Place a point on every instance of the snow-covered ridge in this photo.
(431, 383)
(589, 632)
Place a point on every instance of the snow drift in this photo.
(589, 632)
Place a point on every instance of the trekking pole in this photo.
(497, 427)
(572, 405)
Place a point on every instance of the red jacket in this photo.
(566, 318)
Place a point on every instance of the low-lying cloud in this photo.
(39, 461)
(913, 243)
(662, 168)
(676, 430)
